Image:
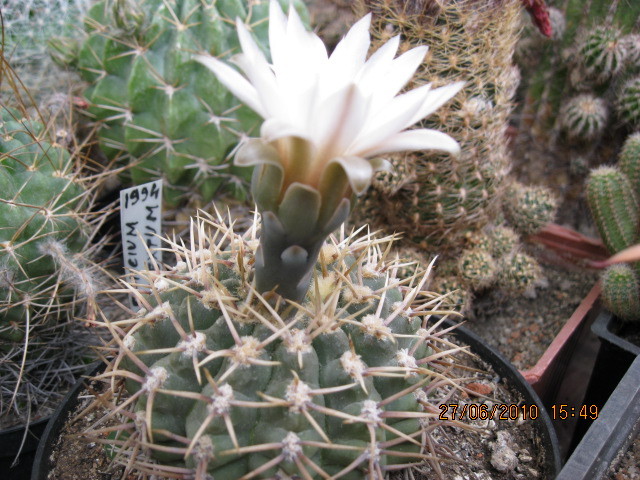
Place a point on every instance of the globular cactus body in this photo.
(156, 105)
(621, 292)
(224, 383)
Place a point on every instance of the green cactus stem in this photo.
(621, 292)
(614, 207)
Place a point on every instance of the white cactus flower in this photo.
(321, 110)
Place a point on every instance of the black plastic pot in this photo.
(514, 378)
(614, 358)
(501, 366)
(42, 461)
(615, 428)
(11, 446)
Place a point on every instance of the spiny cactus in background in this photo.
(584, 118)
(440, 202)
(28, 26)
(157, 108)
(614, 207)
(628, 102)
(45, 264)
(438, 198)
(529, 208)
(621, 291)
(613, 195)
(595, 49)
(222, 383)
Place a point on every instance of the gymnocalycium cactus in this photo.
(235, 369)
(45, 264)
(612, 193)
(156, 106)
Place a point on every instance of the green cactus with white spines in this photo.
(629, 160)
(46, 273)
(156, 106)
(519, 272)
(223, 383)
(584, 117)
(628, 103)
(603, 53)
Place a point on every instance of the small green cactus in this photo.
(221, 383)
(518, 273)
(584, 117)
(614, 207)
(621, 292)
(603, 53)
(628, 103)
(529, 208)
(476, 268)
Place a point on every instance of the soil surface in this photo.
(490, 449)
(627, 465)
(522, 327)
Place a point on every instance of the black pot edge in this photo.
(505, 369)
(11, 438)
(41, 463)
(615, 427)
(602, 328)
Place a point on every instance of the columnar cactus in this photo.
(45, 268)
(155, 104)
(222, 383)
(437, 199)
(613, 197)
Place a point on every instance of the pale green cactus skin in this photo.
(210, 366)
(157, 107)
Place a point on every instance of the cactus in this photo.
(628, 103)
(621, 292)
(584, 117)
(222, 383)
(437, 199)
(157, 107)
(476, 268)
(46, 271)
(529, 208)
(595, 50)
(629, 160)
(518, 273)
(603, 53)
(614, 207)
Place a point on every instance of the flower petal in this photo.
(256, 152)
(419, 139)
(358, 170)
(236, 83)
(435, 100)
